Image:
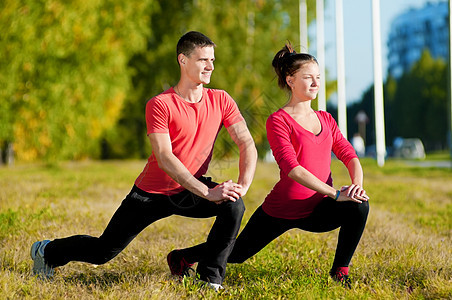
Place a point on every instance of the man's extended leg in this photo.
(135, 213)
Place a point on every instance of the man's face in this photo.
(199, 65)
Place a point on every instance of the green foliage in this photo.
(247, 34)
(421, 97)
(64, 72)
(416, 105)
(76, 75)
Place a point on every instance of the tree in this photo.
(76, 75)
(415, 104)
(420, 102)
(248, 34)
(64, 72)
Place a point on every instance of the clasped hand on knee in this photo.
(226, 191)
(354, 193)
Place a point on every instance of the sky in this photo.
(358, 40)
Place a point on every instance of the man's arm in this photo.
(171, 165)
(248, 154)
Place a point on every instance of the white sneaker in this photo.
(40, 267)
(215, 286)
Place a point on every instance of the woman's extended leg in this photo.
(260, 230)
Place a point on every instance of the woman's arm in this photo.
(355, 190)
(344, 152)
(309, 180)
(356, 171)
(352, 192)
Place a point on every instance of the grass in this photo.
(405, 252)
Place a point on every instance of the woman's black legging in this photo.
(262, 228)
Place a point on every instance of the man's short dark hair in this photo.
(189, 41)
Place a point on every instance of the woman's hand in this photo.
(353, 193)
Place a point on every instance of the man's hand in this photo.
(243, 190)
(226, 191)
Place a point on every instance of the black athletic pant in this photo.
(261, 229)
(140, 209)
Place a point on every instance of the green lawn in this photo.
(405, 252)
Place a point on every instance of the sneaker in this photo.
(178, 265)
(40, 267)
(341, 276)
(205, 284)
(215, 286)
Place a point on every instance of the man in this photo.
(182, 125)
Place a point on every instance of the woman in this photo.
(301, 140)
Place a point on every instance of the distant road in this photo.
(431, 163)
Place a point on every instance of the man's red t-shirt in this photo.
(192, 127)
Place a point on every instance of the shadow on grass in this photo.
(108, 279)
(104, 280)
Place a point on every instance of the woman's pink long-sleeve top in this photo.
(294, 146)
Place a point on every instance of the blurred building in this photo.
(414, 31)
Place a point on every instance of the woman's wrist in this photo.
(336, 196)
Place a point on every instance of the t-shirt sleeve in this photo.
(231, 112)
(157, 116)
(342, 148)
(278, 135)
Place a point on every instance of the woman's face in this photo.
(305, 82)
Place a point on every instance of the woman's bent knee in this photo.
(364, 208)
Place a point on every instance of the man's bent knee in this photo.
(237, 207)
